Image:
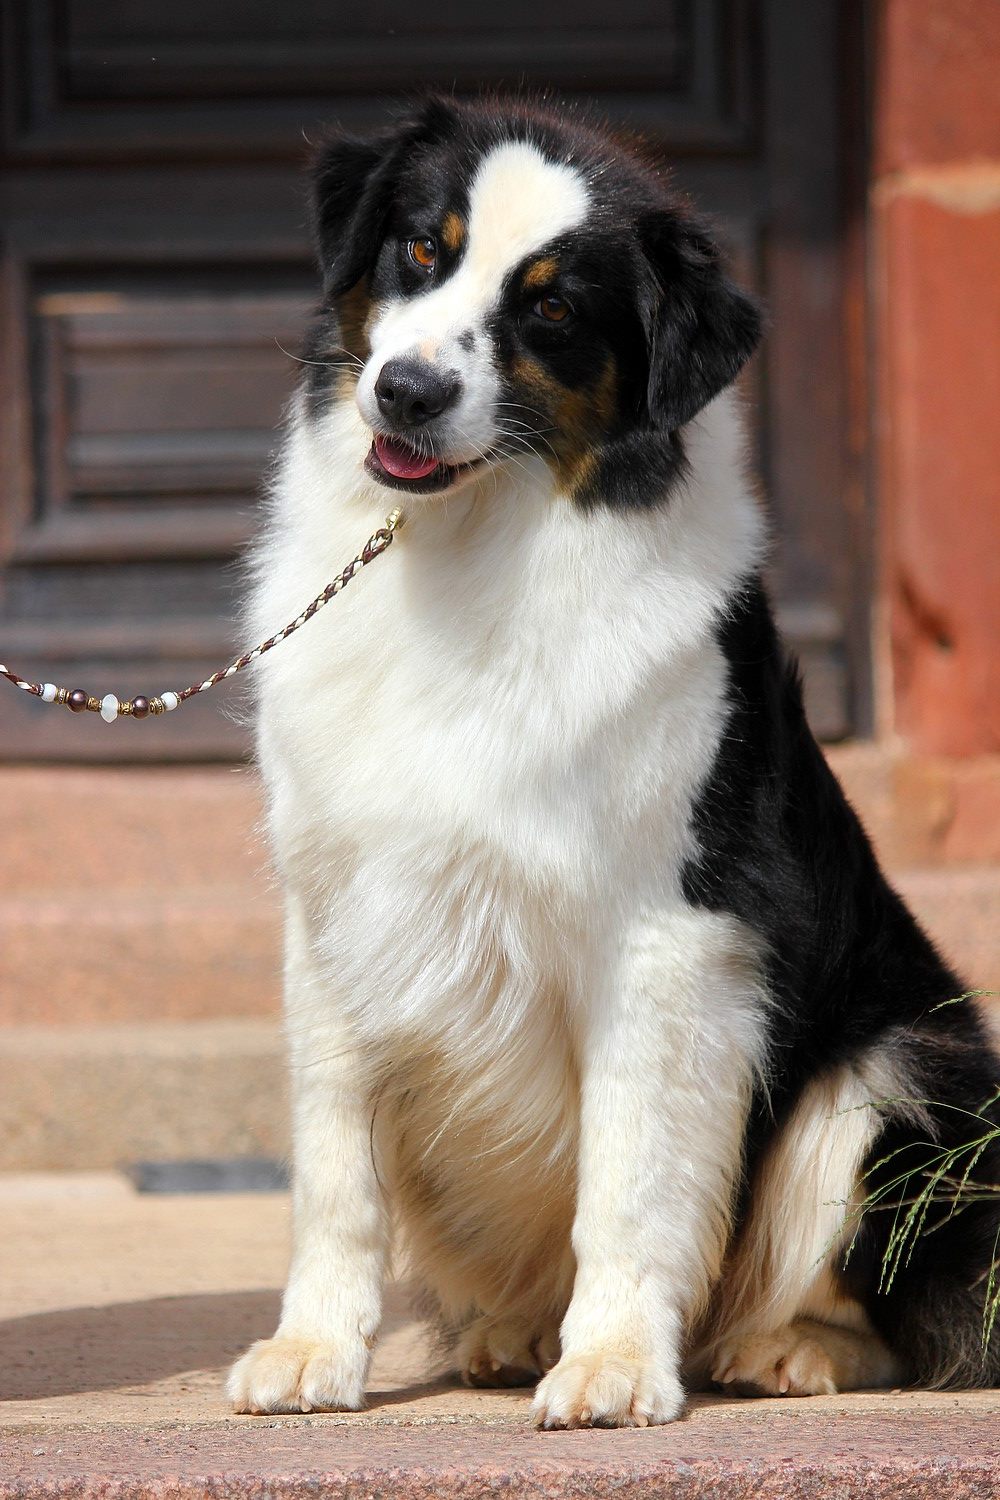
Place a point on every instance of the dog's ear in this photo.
(701, 328)
(353, 180)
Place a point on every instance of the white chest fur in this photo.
(481, 763)
(511, 712)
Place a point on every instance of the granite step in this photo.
(120, 1313)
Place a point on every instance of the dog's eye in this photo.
(553, 309)
(423, 253)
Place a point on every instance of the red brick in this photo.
(940, 398)
(937, 95)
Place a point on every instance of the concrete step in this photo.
(120, 1314)
(107, 1095)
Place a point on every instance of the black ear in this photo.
(353, 181)
(702, 328)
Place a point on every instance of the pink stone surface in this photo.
(776, 1454)
(119, 1314)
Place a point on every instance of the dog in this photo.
(594, 988)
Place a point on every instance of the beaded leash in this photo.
(110, 708)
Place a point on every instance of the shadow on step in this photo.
(141, 1344)
(78, 1349)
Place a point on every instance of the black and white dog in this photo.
(594, 987)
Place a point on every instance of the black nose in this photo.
(410, 392)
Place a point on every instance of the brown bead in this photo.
(77, 700)
(140, 707)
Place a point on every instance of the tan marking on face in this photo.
(429, 349)
(452, 232)
(541, 273)
(354, 313)
(581, 417)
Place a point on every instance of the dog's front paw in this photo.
(506, 1351)
(606, 1389)
(298, 1374)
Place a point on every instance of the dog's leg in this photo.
(667, 1058)
(785, 1323)
(319, 1357)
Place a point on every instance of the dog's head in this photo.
(498, 281)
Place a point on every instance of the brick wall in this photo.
(936, 295)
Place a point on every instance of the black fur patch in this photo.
(849, 969)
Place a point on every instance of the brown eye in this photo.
(423, 253)
(553, 309)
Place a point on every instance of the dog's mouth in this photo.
(394, 463)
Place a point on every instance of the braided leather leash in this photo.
(110, 708)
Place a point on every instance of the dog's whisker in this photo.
(324, 364)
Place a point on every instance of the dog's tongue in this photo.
(402, 461)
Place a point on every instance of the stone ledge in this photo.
(100, 1096)
(119, 1313)
(845, 1455)
(923, 810)
(104, 956)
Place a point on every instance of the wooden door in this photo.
(155, 272)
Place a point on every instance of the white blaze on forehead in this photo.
(519, 201)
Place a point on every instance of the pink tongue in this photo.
(402, 461)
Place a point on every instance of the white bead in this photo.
(109, 708)
(169, 701)
(49, 691)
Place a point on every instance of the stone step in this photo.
(960, 908)
(143, 893)
(121, 1313)
(90, 1093)
(206, 954)
(923, 810)
(139, 962)
(134, 895)
(109, 956)
(72, 829)
(109, 1095)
